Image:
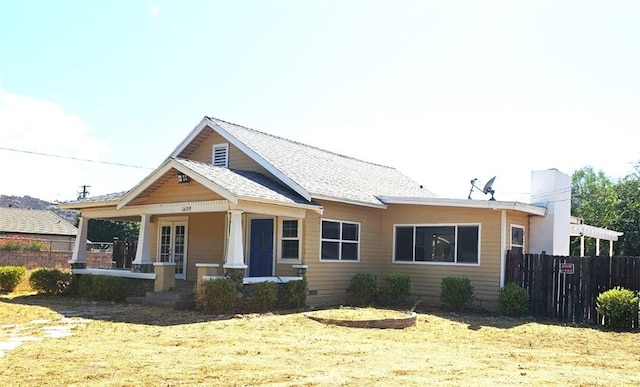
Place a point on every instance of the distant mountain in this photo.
(27, 202)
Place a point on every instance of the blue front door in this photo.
(261, 248)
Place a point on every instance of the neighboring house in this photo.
(42, 225)
(242, 202)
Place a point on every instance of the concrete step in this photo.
(170, 295)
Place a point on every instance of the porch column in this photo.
(143, 262)
(79, 256)
(611, 248)
(234, 260)
(582, 245)
(597, 247)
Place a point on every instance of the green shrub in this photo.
(264, 294)
(216, 296)
(50, 281)
(107, 288)
(396, 287)
(293, 294)
(619, 307)
(456, 292)
(363, 289)
(10, 277)
(513, 300)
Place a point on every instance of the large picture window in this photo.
(437, 243)
(340, 241)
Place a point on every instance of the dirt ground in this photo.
(70, 342)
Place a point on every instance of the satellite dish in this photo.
(486, 190)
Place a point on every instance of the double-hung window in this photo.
(517, 239)
(437, 243)
(290, 239)
(340, 241)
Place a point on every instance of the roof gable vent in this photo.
(221, 155)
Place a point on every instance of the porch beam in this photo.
(234, 258)
(159, 209)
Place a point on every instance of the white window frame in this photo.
(226, 154)
(281, 238)
(340, 241)
(455, 263)
(511, 245)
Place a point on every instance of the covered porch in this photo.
(199, 240)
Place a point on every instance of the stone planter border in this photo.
(385, 323)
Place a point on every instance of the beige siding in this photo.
(205, 239)
(171, 192)
(328, 281)
(237, 158)
(426, 278)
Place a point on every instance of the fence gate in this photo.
(124, 252)
(566, 288)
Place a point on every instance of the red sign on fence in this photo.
(566, 268)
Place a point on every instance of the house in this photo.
(42, 225)
(234, 201)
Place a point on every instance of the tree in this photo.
(610, 204)
(628, 214)
(101, 230)
(593, 198)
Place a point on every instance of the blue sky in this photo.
(443, 91)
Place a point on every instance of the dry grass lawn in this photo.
(122, 345)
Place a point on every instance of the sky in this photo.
(99, 93)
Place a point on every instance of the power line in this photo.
(73, 158)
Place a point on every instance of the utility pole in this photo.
(84, 193)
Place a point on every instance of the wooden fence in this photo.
(566, 288)
(124, 252)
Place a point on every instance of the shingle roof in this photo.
(18, 220)
(244, 184)
(326, 174)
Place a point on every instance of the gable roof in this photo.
(230, 184)
(24, 221)
(313, 172)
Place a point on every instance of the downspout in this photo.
(503, 247)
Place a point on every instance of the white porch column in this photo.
(143, 263)
(582, 245)
(597, 247)
(79, 256)
(235, 254)
(611, 248)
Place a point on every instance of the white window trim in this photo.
(280, 221)
(213, 154)
(456, 264)
(339, 260)
(511, 227)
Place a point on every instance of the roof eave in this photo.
(166, 167)
(348, 201)
(489, 204)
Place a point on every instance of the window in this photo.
(517, 239)
(221, 155)
(290, 239)
(437, 243)
(340, 241)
